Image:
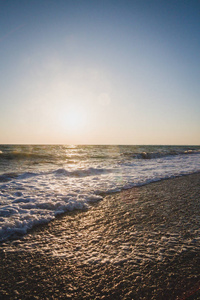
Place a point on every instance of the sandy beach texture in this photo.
(142, 243)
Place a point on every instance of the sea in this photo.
(40, 182)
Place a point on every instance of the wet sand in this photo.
(142, 243)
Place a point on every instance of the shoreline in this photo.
(140, 243)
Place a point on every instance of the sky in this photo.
(100, 72)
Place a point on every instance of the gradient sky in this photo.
(100, 72)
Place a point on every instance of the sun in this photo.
(74, 119)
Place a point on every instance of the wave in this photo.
(62, 154)
(15, 155)
(158, 154)
(59, 172)
(10, 176)
(83, 173)
(52, 157)
(47, 158)
(7, 177)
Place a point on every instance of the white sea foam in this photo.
(43, 191)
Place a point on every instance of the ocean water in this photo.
(37, 183)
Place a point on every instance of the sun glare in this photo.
(75, 120)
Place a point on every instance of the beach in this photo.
(141, 243)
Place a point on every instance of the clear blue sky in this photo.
(100, 72)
